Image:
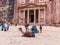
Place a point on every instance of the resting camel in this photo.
(25, 34)
(28, 33)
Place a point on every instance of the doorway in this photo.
(31, 16)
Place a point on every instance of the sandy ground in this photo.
(49, 36)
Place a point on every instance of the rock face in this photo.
(11, 11)
(7, 10)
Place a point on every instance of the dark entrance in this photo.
(32, 18)
(26, 16)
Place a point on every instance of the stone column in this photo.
(39, 17)
(34, 16)
(28, 16)
(44, 15)
(24, 17)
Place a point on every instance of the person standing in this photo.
(34, 30)
(40, 28)
(2, 26)
(6, 26)
(26, 26)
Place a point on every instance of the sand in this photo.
(49, 36)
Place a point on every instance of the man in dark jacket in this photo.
(40, 29)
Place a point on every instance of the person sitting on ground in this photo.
(27, 33)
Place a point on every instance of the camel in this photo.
(25, 34)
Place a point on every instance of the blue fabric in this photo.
(33, 34)
(34, 29)
(2, 26)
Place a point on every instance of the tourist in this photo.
(26, 25)
(6, 26)
(40, 28)
(34, 28)
(2, 26)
